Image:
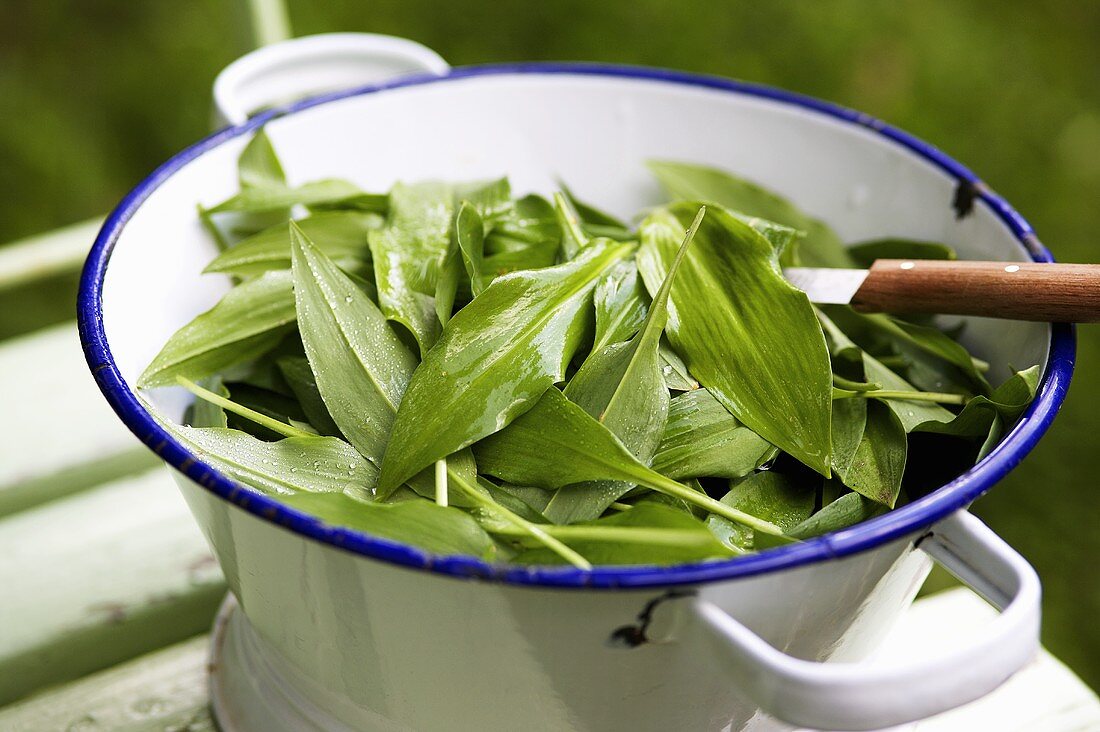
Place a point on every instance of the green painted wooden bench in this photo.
(109, 589)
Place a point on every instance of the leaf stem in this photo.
(618, 506)
(620, 534)
(263, 420)
(672, 488)
(849, 385)
(909, 396)
(441, 481)
(528, 528)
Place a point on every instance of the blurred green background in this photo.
(94, 95)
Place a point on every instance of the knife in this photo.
(1012, 290)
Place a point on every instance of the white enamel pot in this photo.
(344, 631)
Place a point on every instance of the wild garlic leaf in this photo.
(947, 366)
(677, 376)
(538, 255)
(621, 305)
(203, 413)
(299, 376)
(341, 235)
(910, 412)
(977, 417)
(820, 247)
(290, 465)
(495, 359)
(491, 199)
(361, 366)
(849, 421)
(436, 529)
(649, 533)
(866, 252)
(279, 407)
(702, 439)
(768, 495)
(556, 443)
(573, 237)
(331, 191)
(623, 387)
(469, 235)
(878, 463)
(531, 221)
(408, 254)
(744, 332)
(588, 213)
(848, 510)
(258, 166)
(247, 322)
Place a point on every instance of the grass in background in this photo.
(93, 96)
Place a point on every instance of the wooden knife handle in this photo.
(1018, 291)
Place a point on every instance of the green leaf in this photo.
(531, 221)
(864, 366)
(341, 235)
(494, 360)
(621, 304)
(279, 407)
(622, 386)
(573, 237)
(258, 166)
(469, 235)
(203, 413)
(745, 333)
(866, 252)
(849, 421)
(947, 366)
(291, 465)
(590, 214)
(247, 322)
(436, 529)
(819, 248)
(977, 419)
(649, 533)
(768, 495)
(491, 199)
(538, 255)
(878, 463)
(361, 366)
(702, 439)
(408, 254)
(677, 376)
(319, 192)
(299, 376)
(556, 443)
(848, 510)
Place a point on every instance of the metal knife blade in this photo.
(827, 286)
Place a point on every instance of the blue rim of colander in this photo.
(903, 522)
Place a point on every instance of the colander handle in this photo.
(301, 67)
(871, 695)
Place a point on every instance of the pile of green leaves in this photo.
(534, 381)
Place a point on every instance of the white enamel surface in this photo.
(383, 647)
(871, 696)
(310, 65)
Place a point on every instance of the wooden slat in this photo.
(165, 690)
(98, 578)
(60, 435)
(39, 257)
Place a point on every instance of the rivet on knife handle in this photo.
(1013, 290)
